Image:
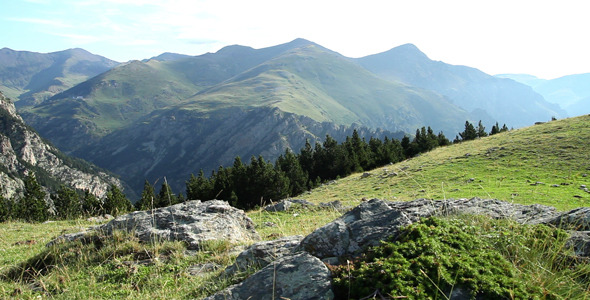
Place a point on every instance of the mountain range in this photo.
(31, 77)
(173, 114)
(571, 92)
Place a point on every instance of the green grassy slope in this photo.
(323, 85)
(543, 164)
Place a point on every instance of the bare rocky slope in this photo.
(23, 151)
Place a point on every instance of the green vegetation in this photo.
(109, 268)
(482, 257)
(529, 261)
(545, 164)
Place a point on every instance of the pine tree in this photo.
(148, 198)
(199, 188)
(67, 203)
(495, 129)
(32, 207)
(481, 130)
(504, 128)
(165, 197)
(442, 139)
(115, 202)
(289, 165)
(91, 206)
(5, 209)
(469, 133)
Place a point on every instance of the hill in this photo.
(30, 78)
(544, 164)
(23, 151)
(502, 100)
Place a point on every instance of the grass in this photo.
(544, 164)
(506, 166)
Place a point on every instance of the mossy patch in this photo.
(477, 256)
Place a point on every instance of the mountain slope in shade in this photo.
(177, 142)
(31, 77)
(571, 92)
(505, 100)
(22, 151)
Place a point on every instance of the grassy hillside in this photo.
(506, 166)
(543, 164)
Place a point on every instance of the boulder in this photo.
(376, 220)
(192, 222)
(261, 254)
(363, 226)
(297, 276)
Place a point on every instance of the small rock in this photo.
(202, 269)
(583, 186)
(365, 175)
(471, 180)
(270, 224)
(555, 185)
(584, 175)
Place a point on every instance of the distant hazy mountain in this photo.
(571, 92)
(30, 78)
(23, 151)
(504, 100)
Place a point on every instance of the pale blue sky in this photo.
(543, 38)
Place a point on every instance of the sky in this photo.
(548, 39)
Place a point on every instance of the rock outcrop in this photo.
(192, 222)
(376, 220)
(297, 276)
(22, 150)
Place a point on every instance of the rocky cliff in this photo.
(22, 151)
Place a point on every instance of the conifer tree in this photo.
(469, 133)
(5, 209)
(199, 188)
(289, 165)
(495, 129)
(442, 139)
(91, 206)
(67, 203)
(115, 202)
(148, 198)
(481, 130)
(165, 197)
(504, 128)
(32, 207)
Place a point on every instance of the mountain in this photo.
(30, 77)
(571, 92)
(150, 119)
(22, 151)
(176, 142)
(503, 100)
(299, 77)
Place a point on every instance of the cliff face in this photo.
(22, 151)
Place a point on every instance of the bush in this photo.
(438, 256)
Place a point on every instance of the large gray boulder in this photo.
(375, 220)
(298, 276)
(363, 226)
(261, 254)
(192, 222)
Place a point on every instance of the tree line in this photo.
(242, 185)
